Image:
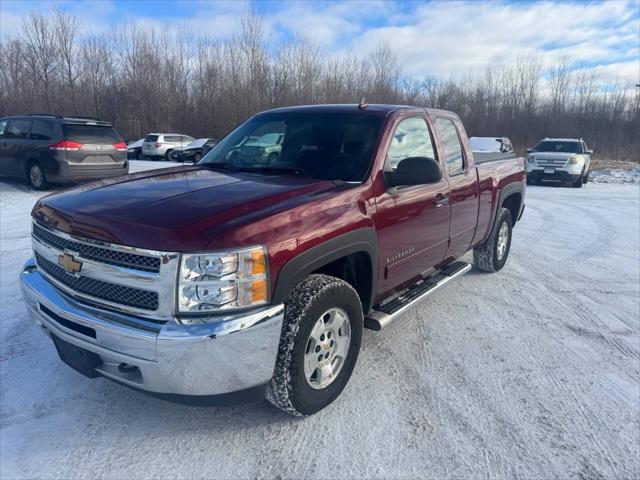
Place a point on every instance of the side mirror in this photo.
(414, 171)
(530, 150)
(589, 152)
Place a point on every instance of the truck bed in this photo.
(484, 157)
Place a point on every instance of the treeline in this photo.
(146, 80)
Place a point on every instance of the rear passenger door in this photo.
(463, 183)
(16, 145)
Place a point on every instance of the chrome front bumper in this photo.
(229, 354)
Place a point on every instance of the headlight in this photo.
(531, 159)
(223, 280)
(574, 160)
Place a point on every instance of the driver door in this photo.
(412, 222)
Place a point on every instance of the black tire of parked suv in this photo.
(578, 183)
(197, 157)
(486, 256)
(36, 177)
(309, 300)
(139, 155)
(529, 181)
(167, 155)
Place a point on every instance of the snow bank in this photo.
(616, 175)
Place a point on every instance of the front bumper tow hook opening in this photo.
(126, 368)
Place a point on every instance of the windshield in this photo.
(331, 146)
(486, 144)
(559, 147)
(197, 143)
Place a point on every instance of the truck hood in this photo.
(174, 209)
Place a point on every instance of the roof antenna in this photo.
(363, 103)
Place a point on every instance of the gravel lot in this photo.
(533, 372)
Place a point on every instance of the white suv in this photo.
(159, 145)
(565, 160)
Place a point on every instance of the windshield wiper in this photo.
(294, 170)
(215, 166)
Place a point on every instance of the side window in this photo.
(451, 144)
(410, 139)
(41, 130)
(3, 124)
(17, 129)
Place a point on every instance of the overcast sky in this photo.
(429, 38)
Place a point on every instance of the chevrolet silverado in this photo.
(232, 279)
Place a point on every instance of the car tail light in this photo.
(157, 145)
(121, 147)
(66, 145)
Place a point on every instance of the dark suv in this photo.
(54, 149)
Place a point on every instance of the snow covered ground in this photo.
(532, 372)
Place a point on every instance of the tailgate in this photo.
(98, 145)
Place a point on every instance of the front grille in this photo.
(110, 292)
(99, 254)
(551, 162)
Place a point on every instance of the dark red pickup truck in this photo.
(256, 270)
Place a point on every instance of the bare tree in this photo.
(146, 80)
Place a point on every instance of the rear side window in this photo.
(173, 138)
(41, 130)
(410, 139)
(91, 134)
(151, 138)
(3, 124)
(451, 143)
(18, 129)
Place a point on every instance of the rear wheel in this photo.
(197, 157)
(492, 256)
(139, 155)
(319, 345)
(167, 155)
(36, 177)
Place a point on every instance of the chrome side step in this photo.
(382, 315)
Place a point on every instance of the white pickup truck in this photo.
(565, 160)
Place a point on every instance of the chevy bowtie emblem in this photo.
(70, 264)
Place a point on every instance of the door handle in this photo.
(440, 200)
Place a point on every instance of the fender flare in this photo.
(506, 192)
(295, 270)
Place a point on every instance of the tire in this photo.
(529, 181)
(197, 157)
(139, 155)
(316, 297)
(578, 183)
(36, 177)
(167, 155)
(488, 257)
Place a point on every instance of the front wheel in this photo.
(492, 256)
(35, 177)
(319, 345)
